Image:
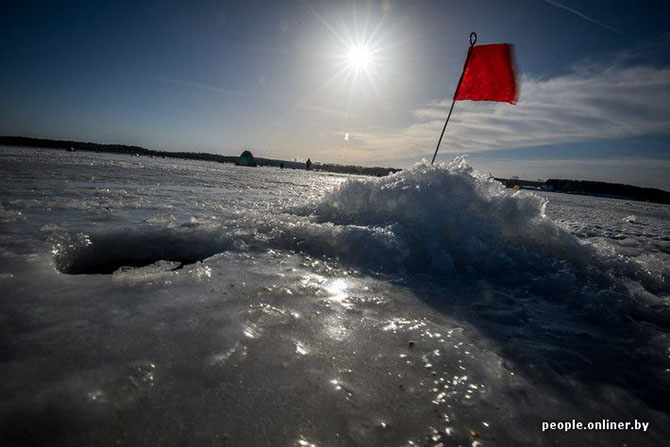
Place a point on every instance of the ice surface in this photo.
(150, 302)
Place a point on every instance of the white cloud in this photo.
(595, 102)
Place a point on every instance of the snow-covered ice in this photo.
(170, 302)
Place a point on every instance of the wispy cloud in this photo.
(596, 102)
(196, 85)
(325, 110)
(582, 15)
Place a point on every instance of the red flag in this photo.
(488, 75)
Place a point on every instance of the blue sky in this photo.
(275, 77)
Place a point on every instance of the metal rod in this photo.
(473, 40)
(443, 129)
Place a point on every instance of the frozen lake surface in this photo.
(170, 302)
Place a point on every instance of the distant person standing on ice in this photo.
(308, 164)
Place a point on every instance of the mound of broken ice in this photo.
(447, 216)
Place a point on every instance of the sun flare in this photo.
(359, 57)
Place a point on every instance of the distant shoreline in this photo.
(582, 187)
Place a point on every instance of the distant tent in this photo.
(246, 159)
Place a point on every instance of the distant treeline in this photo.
(137, 150)
(616, 190)
(585, 187)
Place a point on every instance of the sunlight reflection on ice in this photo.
(251, 331)
(302, 442)
(300, 348)
(338, 292)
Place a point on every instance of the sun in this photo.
(359, 57)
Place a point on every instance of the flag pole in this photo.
(473, 41)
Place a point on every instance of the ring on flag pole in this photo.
(473, 39)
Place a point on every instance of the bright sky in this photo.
(356, 83)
